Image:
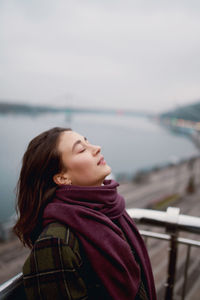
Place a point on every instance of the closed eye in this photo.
(79, 142)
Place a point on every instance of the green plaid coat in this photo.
(57, 268)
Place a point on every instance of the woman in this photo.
(83, 243)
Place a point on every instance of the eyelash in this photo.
(84, 148)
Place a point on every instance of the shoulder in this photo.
(59, 231)
(57, 247)
(53, 268)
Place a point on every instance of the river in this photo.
(128, 145)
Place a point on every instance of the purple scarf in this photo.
(89, 212)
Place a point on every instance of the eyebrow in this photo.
(77, 142)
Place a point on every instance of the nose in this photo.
(95, 149)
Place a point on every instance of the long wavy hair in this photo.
(35, 187)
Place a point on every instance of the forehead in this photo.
(67, 140)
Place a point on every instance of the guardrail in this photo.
(171, 220)
(13, 289)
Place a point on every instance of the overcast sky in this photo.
(143, 55)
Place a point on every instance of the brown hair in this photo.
(35, 187)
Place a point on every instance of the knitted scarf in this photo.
(90, 212)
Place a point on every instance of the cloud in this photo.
(136, 54)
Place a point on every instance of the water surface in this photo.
(128, 144)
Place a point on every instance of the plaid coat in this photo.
(57, 268)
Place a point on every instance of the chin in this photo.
(108, 171)
(110, 176)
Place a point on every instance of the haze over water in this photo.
(128, 145)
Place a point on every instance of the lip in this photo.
(101, 161)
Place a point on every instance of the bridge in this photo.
(25, 109)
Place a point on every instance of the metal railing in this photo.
(171, 220)
(13, 289)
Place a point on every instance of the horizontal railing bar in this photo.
(9, 282)
(150, 234)
(167, 237)
(188, 242)
(165, 219)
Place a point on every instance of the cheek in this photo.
(82, 164)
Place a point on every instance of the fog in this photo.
(123, 54)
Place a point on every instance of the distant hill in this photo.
(16, 108)
(187, 112)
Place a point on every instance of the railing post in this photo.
(172, 214)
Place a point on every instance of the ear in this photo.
(61, 179)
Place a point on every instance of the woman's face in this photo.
(84, 163)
